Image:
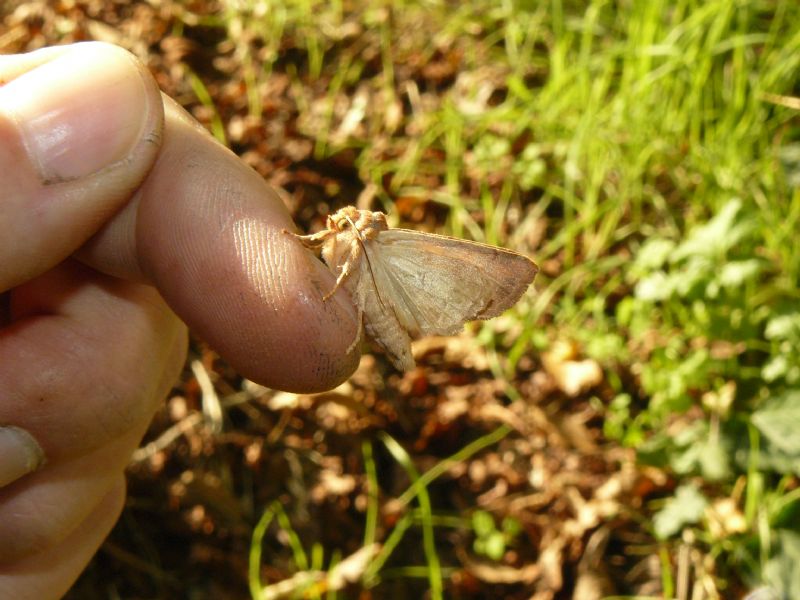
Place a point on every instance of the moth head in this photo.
(365, 222)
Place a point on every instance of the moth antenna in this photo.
(356, 229)
(312, 241)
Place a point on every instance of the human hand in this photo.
(118, 209)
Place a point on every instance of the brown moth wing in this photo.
(344, 252)
(406, 283)
(434, 283)
(380, 315)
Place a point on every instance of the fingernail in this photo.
(20, 454)
(78, 113)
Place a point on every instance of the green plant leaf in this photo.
(511, 527)
(779, 421)
(714, 459)
(482, 523)
(783, 327)
(685, 508)
(736, 273)
(495, 546)
(653, 254)
(781, 571)
(777, 367)
(654, 287)
(715, 237)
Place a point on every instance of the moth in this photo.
(406, 284)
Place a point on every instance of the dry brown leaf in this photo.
(725, 519)
(573, 377)
(593, 581)
(492, 572)
(332, 484)
(551, 559)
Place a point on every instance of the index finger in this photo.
(208, 232)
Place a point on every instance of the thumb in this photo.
(80, 127)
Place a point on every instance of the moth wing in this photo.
(436, 283)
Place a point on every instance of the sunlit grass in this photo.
(204, 97)
(423, 517)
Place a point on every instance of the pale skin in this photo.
(123, 221)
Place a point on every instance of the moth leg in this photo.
(312, 241)
(347, 269)
(339, 280)
(359, 331)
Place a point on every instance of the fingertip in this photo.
(323, 328)
(290, 338)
